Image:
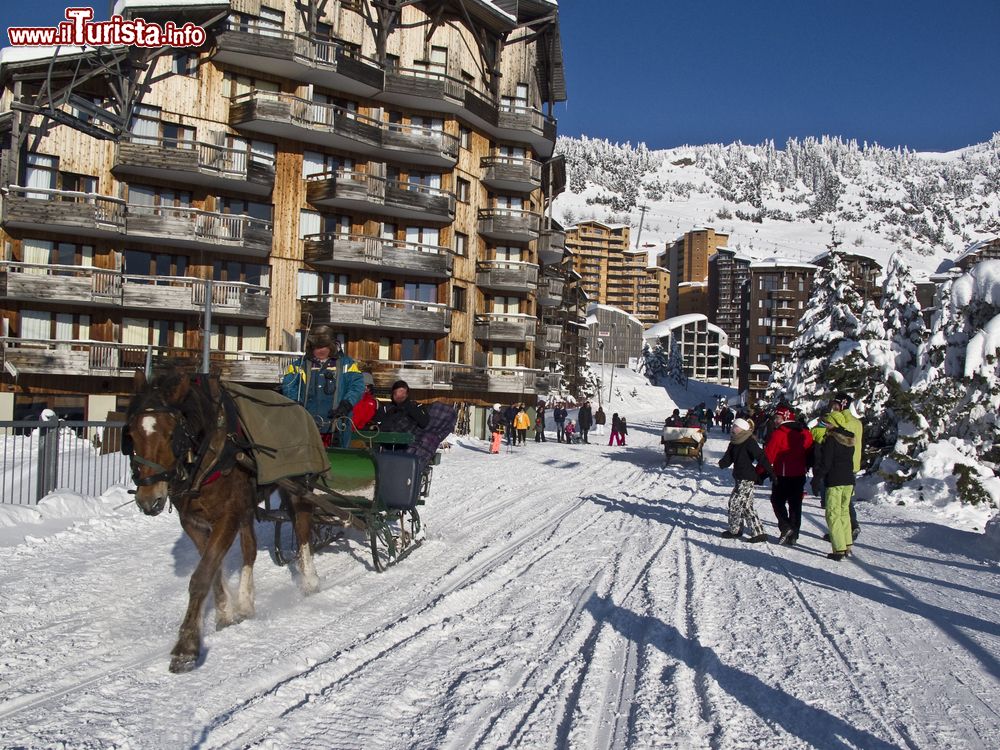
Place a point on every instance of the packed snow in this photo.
(565, 596)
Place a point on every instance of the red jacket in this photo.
(788, 449)
(364, 410)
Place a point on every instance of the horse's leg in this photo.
(188, 647)
(248, 546)
(302, 520)
(223, 610)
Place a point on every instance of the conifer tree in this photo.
(904, 322)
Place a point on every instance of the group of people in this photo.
(341, 398)
(702, 417)
(513, 421)
(831, 449)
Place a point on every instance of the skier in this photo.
(496, 424)
(788, 451)
(741, 454)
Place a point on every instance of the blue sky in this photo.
(920, 73)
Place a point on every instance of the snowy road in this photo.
(566, 597)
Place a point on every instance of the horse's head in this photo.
(159, 438)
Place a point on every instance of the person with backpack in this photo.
(742, 453)
(835, 470)
(789, 451)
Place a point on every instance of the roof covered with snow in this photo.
(594, 307)
(779, 262)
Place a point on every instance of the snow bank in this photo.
(55, 513)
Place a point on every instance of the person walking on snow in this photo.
(788, 450)
(617, 430)
(841, 416)
(835, 470)
(496, 424)
(559, 417)
(741, 454)
(585, 420)
(540, 424)
(600, 419)
(521, 423)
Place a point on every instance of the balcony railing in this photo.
(353, 311)
(191, 227)
(298, 56)
(511, 174)
(507, 275)
(434, 375)
(550, 291)
(195, 162)
(550, 338)
(333, 250)
(359, 191)
(551, 246)
(332, 126)
(509, 224)
(97, 286)
(112, 359)
(63, 211)
(512, 327)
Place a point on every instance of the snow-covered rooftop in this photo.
(779, 262)
(664, 327)
(591, 308)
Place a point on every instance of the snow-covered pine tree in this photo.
(828, 331)
(653, 363)
(675, 365)
(901, 314)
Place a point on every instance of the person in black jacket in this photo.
(834, 469)
(401, 414)
(585, 420)
(741, 454)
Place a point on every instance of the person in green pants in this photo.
(835, 470)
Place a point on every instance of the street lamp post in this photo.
(613, 361)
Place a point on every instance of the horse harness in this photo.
(190, 473)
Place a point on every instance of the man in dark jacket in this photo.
(509, 413)
(788, 451)
(585, 420)
(835, 470)
(674, 420)
(741, 454)
(401, 414)
(559, 417)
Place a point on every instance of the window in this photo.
(417, 349)
(387, 289)
(514, 202)
(506, 305)
(144, 263)
(503, 356)
(464, 189)
(165, 333)
(509, 254)
(384, 348)
(388, 231)
(271, 21)
(40, 172)
(147, 195)
(458, 297)
(430, 179)
(392, 62)
(420, 291)
(235, 270)
(79, 183)
(458, 352)
(256, 209)
(177, 136)
(461, 244)
(465, 137)
(314, 163)
(423, 236)
(235, 338)
(145, 125)
(184, 64)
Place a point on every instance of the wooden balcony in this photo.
(550, 291)
(111, 359)
(551, 246)
(503, 327)
(361, 192)
(53, 284)
(527, 125)
(286, 116)
(507, 276)
(98, 287)
(194, 163)
(509, 224)
(550, 338)
(298, 57)
(334, 251)
(511, 174)
(511, 380)
(200, 230)
(374, 313)
(63, 212)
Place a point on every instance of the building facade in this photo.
(687, 261)
(778, 292)
(704, 348)
(382, 167)
(728, 276)
(614, 336)
(614, 274)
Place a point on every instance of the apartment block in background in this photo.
(778, 293)
(687, 261)
(728, 274)
(381, 167)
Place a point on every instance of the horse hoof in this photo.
(182, 663)
(310, 586)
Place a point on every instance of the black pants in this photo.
(521, 435)
(560, 434)
(583, 433)
(786, 501)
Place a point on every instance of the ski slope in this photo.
(567, 596)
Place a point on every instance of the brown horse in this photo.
(182, 445)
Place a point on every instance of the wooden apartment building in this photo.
(385, 167)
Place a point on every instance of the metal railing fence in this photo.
(38, 458)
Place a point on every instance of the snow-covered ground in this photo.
(566, 596)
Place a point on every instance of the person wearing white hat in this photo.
(496, 423)
(741, 454)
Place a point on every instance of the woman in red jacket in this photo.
(788, 450)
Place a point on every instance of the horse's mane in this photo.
(195, 405)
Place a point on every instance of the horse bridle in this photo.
(180, 444)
